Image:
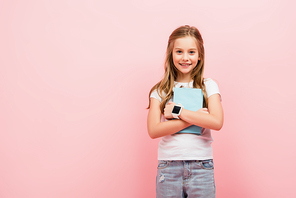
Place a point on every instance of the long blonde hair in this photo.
(166, 85)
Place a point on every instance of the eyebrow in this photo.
(182, 48)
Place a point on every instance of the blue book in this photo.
(190, 99)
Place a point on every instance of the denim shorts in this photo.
(185, 179)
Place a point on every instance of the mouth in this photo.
(184, 64)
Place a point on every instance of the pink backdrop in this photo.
(74, 83)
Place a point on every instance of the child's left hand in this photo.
(168, 110)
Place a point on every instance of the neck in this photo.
(183, 78)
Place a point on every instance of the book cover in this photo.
(191, 99)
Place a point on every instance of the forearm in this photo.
(205, 120)
(166, 128)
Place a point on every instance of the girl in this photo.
(185, 161)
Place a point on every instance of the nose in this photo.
(185, 57)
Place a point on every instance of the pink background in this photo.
(74, 83)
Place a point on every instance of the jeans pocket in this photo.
(162, 164)
(207, 164)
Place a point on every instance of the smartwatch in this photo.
(177, 110)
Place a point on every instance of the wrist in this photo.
(177, 110)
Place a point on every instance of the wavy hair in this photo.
(166, 85)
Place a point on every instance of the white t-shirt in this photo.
(187, 146)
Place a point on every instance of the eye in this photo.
(192, 52)
(179, 51)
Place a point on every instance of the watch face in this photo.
(176, 109)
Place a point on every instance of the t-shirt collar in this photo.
(183, 84)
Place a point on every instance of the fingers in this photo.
(168, 110)
(171, 103)
(204, 110)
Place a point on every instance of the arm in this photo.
(156, 128)
(211, 120)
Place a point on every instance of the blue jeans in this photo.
(180, 179)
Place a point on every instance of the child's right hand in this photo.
(168, 110)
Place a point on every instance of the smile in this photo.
(184, 64)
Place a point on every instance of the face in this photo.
(185, 56)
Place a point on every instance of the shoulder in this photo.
(211, 86)
(209, 81)
(155, 94)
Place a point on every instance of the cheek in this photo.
(175, 58)
(196, 59)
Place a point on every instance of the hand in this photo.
(168, 110)
(203, 110)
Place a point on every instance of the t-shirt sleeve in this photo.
(155, 95)
(211, 87)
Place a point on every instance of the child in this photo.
(185, 161)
